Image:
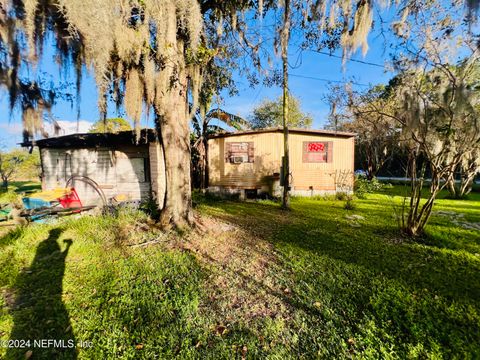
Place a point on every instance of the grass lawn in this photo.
(19, 187)
(251, 281)
(16, 189)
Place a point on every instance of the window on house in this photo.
(239, 152)
(317, 151)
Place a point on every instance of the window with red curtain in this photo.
(317, 151)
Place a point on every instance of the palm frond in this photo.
(229, 119)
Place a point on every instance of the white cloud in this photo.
(69, 127)
(11, 132)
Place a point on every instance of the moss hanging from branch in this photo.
(139, 43)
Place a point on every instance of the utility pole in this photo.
(285, 39)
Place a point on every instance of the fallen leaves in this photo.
(220, 330)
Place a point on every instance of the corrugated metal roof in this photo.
(330, 133)
(95, 139)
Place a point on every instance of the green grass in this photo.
(22, 186)
(16, 189)
(257, 282)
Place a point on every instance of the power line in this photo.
(327, 80)
(354, 60)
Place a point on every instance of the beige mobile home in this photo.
(246, 162)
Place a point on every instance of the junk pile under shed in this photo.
(45, 204)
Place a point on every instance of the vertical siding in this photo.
(267, 157)
(268, 153)
(118, 172)
(320, 176)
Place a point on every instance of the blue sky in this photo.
(309, 91)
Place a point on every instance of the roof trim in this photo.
(95, 140)
(330, 133)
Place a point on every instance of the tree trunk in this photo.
(174, 130)
(451, 186)
(175, 138)
(369, 171)
(466, 185)
(370, 163)
(418, 214)
(286, 161)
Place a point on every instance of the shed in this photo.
(321, 161)
(121, 166)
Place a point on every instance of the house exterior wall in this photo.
(123, 172)
(245, 175)
(308, 178)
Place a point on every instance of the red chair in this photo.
(70, 200)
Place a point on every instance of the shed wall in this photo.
(118, 172)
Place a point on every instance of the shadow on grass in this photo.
(39, 312)
(11, 236)
(26, 186)
(464, 207)
(365, 283)
(416, 265)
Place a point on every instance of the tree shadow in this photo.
(368, 247)
(38, 311)
(359, 278)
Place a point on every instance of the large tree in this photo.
(111, 125)
(377, 134)
(435, 102)
(270, 114)
(146, 54)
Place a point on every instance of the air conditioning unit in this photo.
(239, 159)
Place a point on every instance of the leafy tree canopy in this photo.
(112, 125)
(269, 114)
(18, 164)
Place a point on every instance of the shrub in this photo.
(364, 186)
(150, 207)
(350, 204)
(341, 196)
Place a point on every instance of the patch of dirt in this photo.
(242, 285)
(8, 298)
(353, 220)
(139, 233)
(458, 219)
